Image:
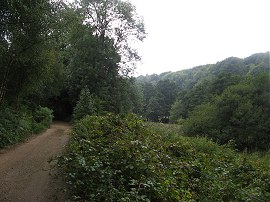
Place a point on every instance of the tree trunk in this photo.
(3, 87)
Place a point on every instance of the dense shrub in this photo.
(114, 158)
(17, 124)
(241, 113)
(42, 119)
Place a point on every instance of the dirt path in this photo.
(26, 170)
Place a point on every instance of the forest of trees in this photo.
(61, 56)
(74, 62)
(229, 100)
(77, 59)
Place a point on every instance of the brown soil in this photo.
(28, 172)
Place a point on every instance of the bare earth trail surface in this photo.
(27, 171)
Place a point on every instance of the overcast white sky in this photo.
(186, 33)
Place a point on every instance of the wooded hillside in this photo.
(225, 101)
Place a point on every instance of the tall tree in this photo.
(176, 112)
(92, 63)
(119, 21)
(26, 59)
(166, 95)
(98, 45)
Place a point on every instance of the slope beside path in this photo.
(27, 171)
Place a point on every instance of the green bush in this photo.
(116, 158)
(42, 119)
(17, 124)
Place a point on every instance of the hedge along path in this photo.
(27, 171)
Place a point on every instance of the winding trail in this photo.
(27, 171)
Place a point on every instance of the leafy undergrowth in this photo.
(17, 124)
(114, 158)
